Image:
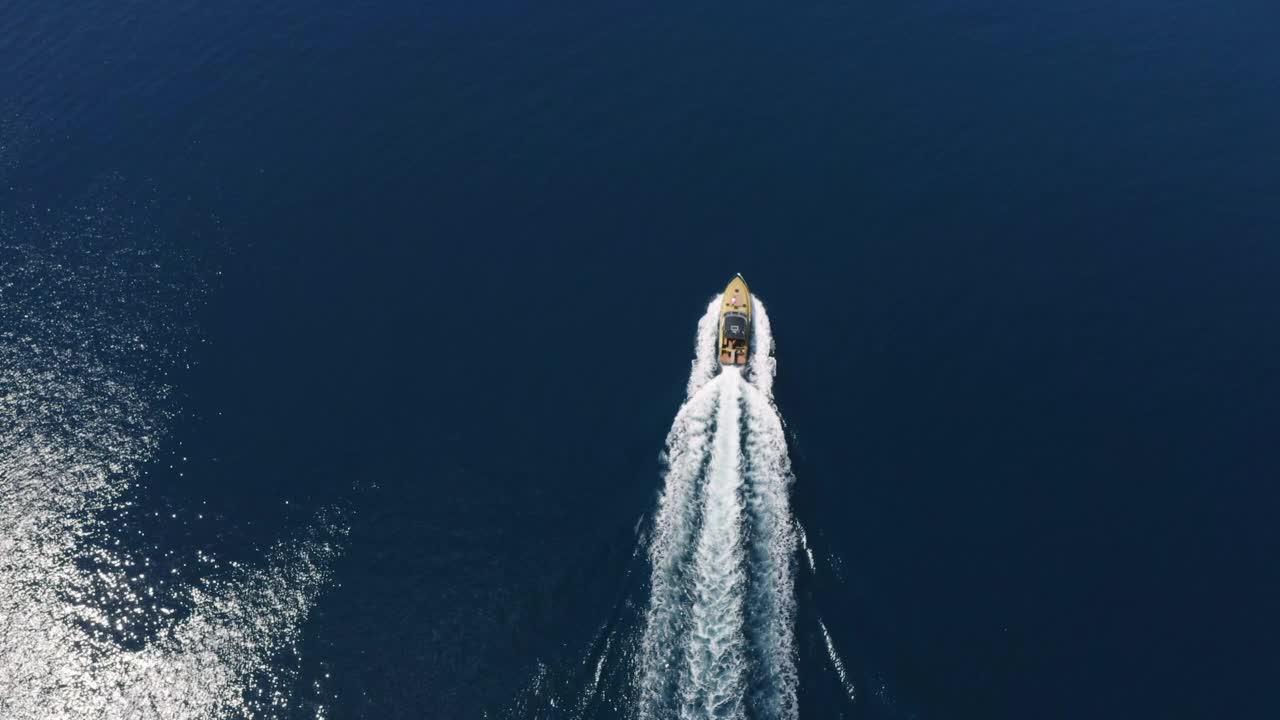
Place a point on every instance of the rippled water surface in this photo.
(100, 619)
(345, 359)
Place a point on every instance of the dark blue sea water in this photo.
(341, 340)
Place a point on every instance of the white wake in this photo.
(718, 636)
(714, 650)
(771, 610)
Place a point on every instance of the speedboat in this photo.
(735, 324)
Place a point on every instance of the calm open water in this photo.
(339, 343)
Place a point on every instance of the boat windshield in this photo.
(735, 326)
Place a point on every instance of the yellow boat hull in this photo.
(735, 324)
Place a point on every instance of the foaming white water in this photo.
(721, 612)
(714, 654)
(674, 526)
(686, 452)
(763, 366)
(773, 542)
(838, 664)
(804, 545)
(706, 361)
